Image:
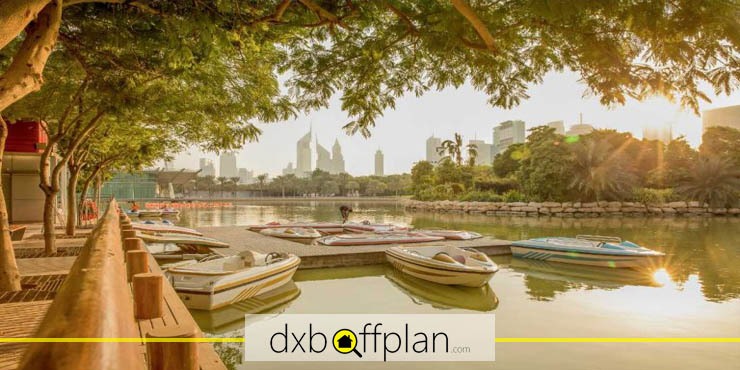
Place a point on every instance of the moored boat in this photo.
(450, 234)
(297, 234)
(592, 250)
(169, 212)
(309, 225)
(446, 265)
(150, 227)
(219, 282)
(367, 226)
(147, 213)
(345, 240)
(182, 239)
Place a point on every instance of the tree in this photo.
(353, 186)
(544, 172)
(713, 180)
(329, 188)
(597, 173)
(472, 150)
(222, 182)
(721, 142)
(422, 175)
(507, 162)
(679, 160)
(453, 148)
(261, 180)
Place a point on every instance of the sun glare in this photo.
(661, 276)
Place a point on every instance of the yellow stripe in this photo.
(498, 340)
(117, 340)
(617, 340)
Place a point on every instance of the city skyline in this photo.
(403, 132)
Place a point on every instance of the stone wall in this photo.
(572, 209)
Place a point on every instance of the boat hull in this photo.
(428, 272)
(582, 258)
(223, 295)
(372, 239)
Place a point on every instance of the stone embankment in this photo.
(572, 209)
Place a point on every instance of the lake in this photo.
(696, 294)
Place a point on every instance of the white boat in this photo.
(446, 265)
(219, 282)
(450, 234)
(169, 252)
(151, 227)
(367, 226)
(309, 225)
(146, 213)
(592, 250)
(182, 239)
(297, 234)
(169, 212)
(344, 240)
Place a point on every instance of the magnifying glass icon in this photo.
(345, 341)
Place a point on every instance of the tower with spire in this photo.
(337, 158)
(303, 154)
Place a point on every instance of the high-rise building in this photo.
(433, 143)
(580, 128)
(725, 116)
(337, 158)
(663, 133)
(485, 152)
(246, 176)
(559, 127)
(303, 155)
(507, 133)
(227, 165)
(379, 167)
(207, 168)
(323, 158)
(289, 170)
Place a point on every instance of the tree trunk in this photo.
(24, 75)
(10, 279)
(74, 174)
(15, 15)
(50, 236)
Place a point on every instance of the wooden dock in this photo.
(319, 256)
(81, 292)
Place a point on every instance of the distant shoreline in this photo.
(392, 199)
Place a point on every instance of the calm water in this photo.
(696, 295)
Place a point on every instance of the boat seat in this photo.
(444, 257)
(247, 258)
(234, 264)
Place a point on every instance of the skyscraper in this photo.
(559, 127)
(337, 158)
(433, 143)
(207, 168)
(323, 158)
(289, 170)
(507, 133)
(485, 155)
(303, 155)
(227, 165)
(379, 167)
(725, 116)
(246, 176)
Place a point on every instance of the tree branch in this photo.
(24, 75)
(401, 15)
(480, 27)
(15, 15)
(323, 13)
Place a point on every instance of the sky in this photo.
(401, 133)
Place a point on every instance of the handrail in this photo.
(93, 302)
(600, 238)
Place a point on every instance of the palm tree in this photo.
(222, 181)
(234, 181)
(453, 148)
(713, 180)
(261, 179)
(597, 172)
(472, 154)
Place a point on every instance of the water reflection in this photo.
(443, 296)
(544, 280)
(231, 318)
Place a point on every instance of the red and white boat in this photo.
(374, 228)
(451, 234)
(163, 228)
(305, 225)
(377, 239)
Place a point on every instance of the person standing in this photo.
(345, 211)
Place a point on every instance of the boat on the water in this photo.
(296, 234)
(306, 225)
(446, 265)
(345, 240)
(151, 227)
(443, 296)
(145, 213)
(179, 239)
(219, 282)
(449, 234)
(231, 317)
(170, 252)
(592, 250)
(367, 226)
(169, 212)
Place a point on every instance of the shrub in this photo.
(653, 196)
(481, 196)
(513, 196)
(498, 185)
